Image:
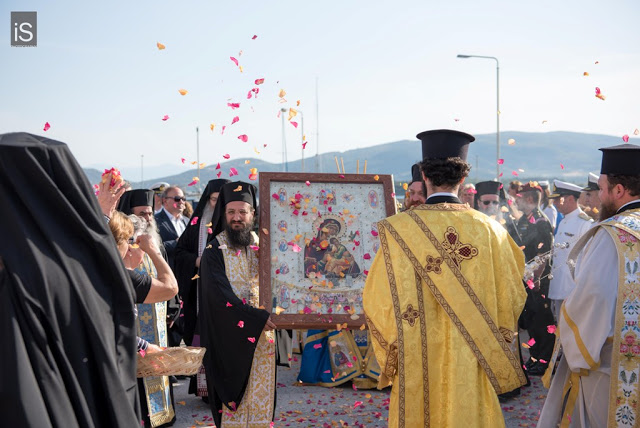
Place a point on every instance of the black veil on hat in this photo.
(135, 198)
(66, 300)
(231, 192)
(212, 186)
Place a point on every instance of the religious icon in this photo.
(348, 197)
(282, 225)
(282, 245)
(328, 195)
(339, 357)
(284, 268)
(373, 199)
(284, 295)
(282, 197)
(326, 255)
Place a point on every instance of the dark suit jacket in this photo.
(168, 234)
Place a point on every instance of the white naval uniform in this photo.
(586, 325)
(571, 228)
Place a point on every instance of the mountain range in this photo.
(568, 156)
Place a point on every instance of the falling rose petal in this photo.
(223, 128)
(597, 91)
(295, 125)
(46, 126)
(243, 138)
(238, 255)
(530, 284)
(240, 68)
(317, 346)
(561, 166)
(636, 132)
(254, 247)
(514, 173)
(229, 305)
(327, 371)
(196, 276)
(511, 142)
(585, 73)
(183, 160)
(183, 91)
(374, 233)
(304, 145)
(308, 183)
(551, 329)
(296, 248)
(235, 61)
(531, 342)
(232, 172)
(253, 177)
(235, 119)
(193, 183)
(625, 138)
(194, 220)
(218, 166)
(254, 37)
(249, 95)
(212, 126)
(233, 105)
(226, 156)
(219, 174)
(282, 93)
(357, 404)
(241, 324)
(160, 46)
(500, 161)
(209, 231)
(251, 339)
(292, 113)
(275, 196)
(165, 117)
(376, 177)
(259, 81)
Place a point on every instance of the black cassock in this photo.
(229, 354)
(68, 337)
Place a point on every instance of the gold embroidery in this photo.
(507, 334)
(515, 362)
(576, 334)
(376, 333)
(396, 311)
(433, 264)
(410, 315)
(445, 305)
(425, 363)
(456, 249)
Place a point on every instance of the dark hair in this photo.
(447, 172)
(533, 194)
(629, 182)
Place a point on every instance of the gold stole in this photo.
(489, 343)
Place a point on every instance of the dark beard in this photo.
(607, 210)
(240, 238)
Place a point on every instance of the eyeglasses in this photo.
(131, 241)
(242, 213)
(491, 202)
(176, 198)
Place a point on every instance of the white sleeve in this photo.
(588, 315)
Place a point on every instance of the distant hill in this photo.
(540, 155)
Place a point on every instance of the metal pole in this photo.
(497, 118)
(476, 169)
(302, 136)
(318, 169)
(198, 153)
(142, 171)
(284, 143)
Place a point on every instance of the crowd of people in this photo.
(87, 281)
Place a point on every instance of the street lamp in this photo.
(497, 107)
(285, 163)
(302, 136)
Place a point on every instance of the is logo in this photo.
(24, 29)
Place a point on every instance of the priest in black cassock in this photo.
(187, 263)
(240, 361)
(66, 300)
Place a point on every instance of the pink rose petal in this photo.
(551, 329)
(46, 126)
(235, 61)
(194, 220)
(259, 81)
(251, 339)
(241, 324)
(235, 119)
(243, 138)
(625, 138)
(165, 117)
(500, 161)
(226, 156)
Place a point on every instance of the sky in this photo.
(385, 71)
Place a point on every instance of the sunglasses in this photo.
(491, 202)
(177, 198)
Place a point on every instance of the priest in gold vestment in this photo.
(240, 362)
(442, 300)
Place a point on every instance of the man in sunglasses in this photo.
(488, 199)
(171, 222)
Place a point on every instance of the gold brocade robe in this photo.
(442, 300)
(257, 406)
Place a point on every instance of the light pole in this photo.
(285, 164)
(497, 107)
(142, 171)
(302, 136)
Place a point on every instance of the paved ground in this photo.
(309, 406)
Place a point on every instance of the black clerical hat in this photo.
(488, 188)
(416, 174)
(623, 159)
(135, 198)
(445, 143)
(231, 192)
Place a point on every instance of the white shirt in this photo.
(552, 214)
(177, 222)
(570, 229)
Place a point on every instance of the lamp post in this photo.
(497, 106)
(285, 164)
(302, 136)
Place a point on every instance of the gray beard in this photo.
(152, 230)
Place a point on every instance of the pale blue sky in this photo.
(387, 70)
